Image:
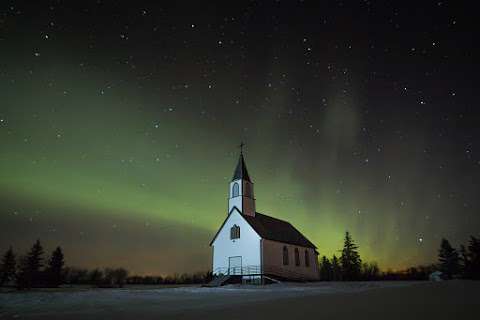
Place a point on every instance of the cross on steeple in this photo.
(241, 170)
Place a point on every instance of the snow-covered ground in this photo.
(190, 302)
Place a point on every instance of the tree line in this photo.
(452, 263)
(462, 263)
(97, 277)
(33, 270)
(348, 266)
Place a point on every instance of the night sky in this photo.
(120, 124)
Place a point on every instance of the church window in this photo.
(235, 232)
(307, 259)
(235, 190)
(297, 257)
(285, 256)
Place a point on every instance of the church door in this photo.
(235, 265)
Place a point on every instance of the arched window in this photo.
(235, 190)
(235, 232)
(307, 259)
(297, 257)
(285, 256)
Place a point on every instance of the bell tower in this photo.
(241, 189)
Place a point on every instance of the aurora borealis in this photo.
(119, 126)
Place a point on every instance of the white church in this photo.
(253, 247)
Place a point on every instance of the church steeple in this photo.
(241, 189)
(241, 170)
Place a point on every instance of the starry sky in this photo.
(120, 124)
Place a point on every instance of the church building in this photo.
(253, 246)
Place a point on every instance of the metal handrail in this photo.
(258, 270)
(244, 270)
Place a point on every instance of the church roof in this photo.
(272, 229)
(277, 230)
(241, 170)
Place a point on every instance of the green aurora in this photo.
(129, 166)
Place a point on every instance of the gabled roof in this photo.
(224, 221)
(272, 229)
(277, 230)
(241, 170)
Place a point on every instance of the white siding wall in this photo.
(248, 246)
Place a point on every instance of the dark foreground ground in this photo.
(327, 300)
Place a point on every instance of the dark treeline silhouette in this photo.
(452, 263)
(109, 277)
(349, 267)
(184, 278)
(462, 263)
(412, 273)
(33, 270)
(8, 267)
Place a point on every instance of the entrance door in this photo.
(235, 265)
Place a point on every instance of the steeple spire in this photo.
(241, 188)
(241, 171)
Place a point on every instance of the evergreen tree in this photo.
(23, 278)
(120, 275)
(350, 259)
(336, 269)
(30, 267)
(474, 257)
(370, 271)
(108, 277)
(449, 259)
(326, 270)
(76, 275)
(464, 262)
(115, 277)
(95, 277)
(8, 267)
(55, 270)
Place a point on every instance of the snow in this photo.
(156, 302)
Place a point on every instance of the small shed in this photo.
(436, 276)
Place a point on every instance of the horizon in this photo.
(47, 254)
